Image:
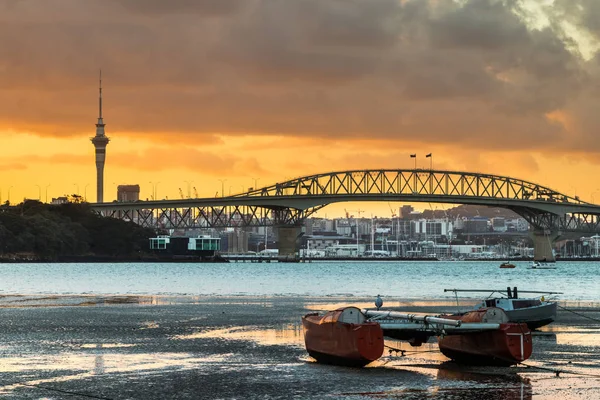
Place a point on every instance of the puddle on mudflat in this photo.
(101, 362)
(580, 304)
(291, 334)
(515, 391)
(403, 351)
(583, 339)
(90, 300)
(21, 301)
(105, 346)
(569, 329)
(571, 335)
(394, 304)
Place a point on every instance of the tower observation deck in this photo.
(100, 141)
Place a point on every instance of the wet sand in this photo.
(152, 347)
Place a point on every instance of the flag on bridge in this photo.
(413, 155)
(428, 155)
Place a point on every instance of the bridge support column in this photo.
(288, 242)
(543, 242)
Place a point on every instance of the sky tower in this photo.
(100, 141)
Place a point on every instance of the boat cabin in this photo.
(347, 315)
(511, 304)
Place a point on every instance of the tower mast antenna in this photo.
(100, 141)
(100, 98)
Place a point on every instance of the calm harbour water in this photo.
(415, 280)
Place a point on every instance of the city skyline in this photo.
(243, 95)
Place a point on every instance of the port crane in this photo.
(359, 212)
(394, 215)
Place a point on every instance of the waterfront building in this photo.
(476, 225)
(60, 200)
(499, 224)
(319, 225)
(345, 227)
(432, 229)
(186, 246)
(345, 250)
(517, 225)
(322, 242)
(237, 241)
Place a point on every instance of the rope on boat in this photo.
(557, 372)
(576, 313)
(404, 352)
(89, 396)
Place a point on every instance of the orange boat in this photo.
(342, 337)
(508, 345)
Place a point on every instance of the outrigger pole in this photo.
(499, 291)
(410, 317)
(399, 321)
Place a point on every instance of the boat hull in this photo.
(508, 345)
(332, 341)
(534, 317)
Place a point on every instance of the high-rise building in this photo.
(100, 141)
(127, 193)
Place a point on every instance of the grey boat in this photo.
(534, 311)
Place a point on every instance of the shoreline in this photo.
(441, 304)
(224, 258)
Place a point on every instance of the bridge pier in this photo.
(543, 242)
(288, 242)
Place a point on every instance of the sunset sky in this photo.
(243, 90)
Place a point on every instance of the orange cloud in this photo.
(241, 90)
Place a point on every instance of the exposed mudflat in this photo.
(193, 347)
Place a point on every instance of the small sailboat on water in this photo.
(541, 265)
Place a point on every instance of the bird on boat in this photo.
(378, 302)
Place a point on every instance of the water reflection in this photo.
(403, 351)
(396, 304)
(546, 337)
(99, 361)
(88, 300)
(291, 334)
(572, 335)
(503, 382)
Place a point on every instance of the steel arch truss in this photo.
(413, 182)
(582, 222)
(290, 202)
(569, 222)
(212, 217)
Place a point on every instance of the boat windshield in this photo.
(526, 303)
(490, 303)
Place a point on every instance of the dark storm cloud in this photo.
(470, 72)
(485, 25)
(200, 7)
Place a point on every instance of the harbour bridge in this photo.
(286, 205)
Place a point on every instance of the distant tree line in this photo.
(50, 232)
